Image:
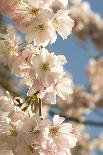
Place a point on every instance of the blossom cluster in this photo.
(40, 69)
(20, 134)
(21, 131)
(39, 19)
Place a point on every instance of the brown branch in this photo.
(40, 107)
(78, 120)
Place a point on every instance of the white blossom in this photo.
(62, 88)
(62, 134)
(31, 9)
(41, 32)
(63, 23)
(46, 66)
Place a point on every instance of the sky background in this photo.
(77, 53)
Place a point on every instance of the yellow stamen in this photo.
(45, 67)
(54, 131)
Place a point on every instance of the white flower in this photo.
(63, 88)
(48, 67)
(41, 32)
(31, 9)
(63, 23)
(62, 134)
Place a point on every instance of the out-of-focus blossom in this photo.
(88, 24)
(80, 102)
(84, 145)
(75, 2)
(59, 4)
(98, 99)
(95, 72)
(98, 143)
(8, 6)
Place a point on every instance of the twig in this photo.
(40, 107)
(78, 120)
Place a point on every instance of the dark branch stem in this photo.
(78, 120)
(40, 107)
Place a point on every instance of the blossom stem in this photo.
(40, 107)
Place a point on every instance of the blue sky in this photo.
(78, 54)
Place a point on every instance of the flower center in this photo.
(13, 2)
(41, 27)
(12, 132)
(54, 131)
(11, 47)
(45, 67)
(33, 11)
